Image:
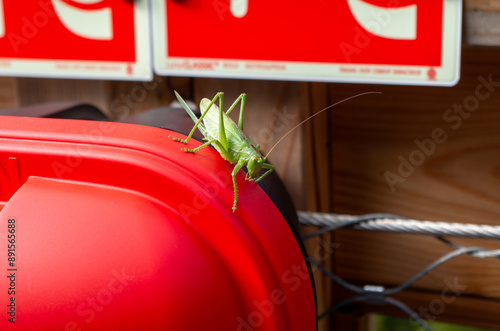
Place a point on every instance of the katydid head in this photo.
(254, 166)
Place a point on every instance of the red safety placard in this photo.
(75, 38)
(381, 41)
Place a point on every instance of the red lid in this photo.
(116, 228)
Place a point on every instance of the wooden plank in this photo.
(395, 258)
(482, 22)
(8, 93)
(33, 91)
(445, 307)
(482, 28)
(125, 98)
(425, 153)
(321, 249)
(118, 99)
(317, 153)
(481, 5)
(317, 179)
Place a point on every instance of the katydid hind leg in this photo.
(242, 99)
(198, 121)
(237, 168)
(193, 117)
(222, 129)
(186, 107)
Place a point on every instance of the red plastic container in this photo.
(109, 226)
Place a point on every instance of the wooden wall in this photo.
(425, 153)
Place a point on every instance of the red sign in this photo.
(72, 38)
(348, 36)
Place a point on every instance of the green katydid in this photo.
(227, 138)
(230, 141)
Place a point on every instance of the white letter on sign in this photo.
(2, 20)
(393, 23)
(239, 8)
(90, 24)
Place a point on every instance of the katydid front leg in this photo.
(199, 147)
(237, 168)
(265, 166)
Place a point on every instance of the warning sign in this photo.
(376, 41)
(91, 39)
